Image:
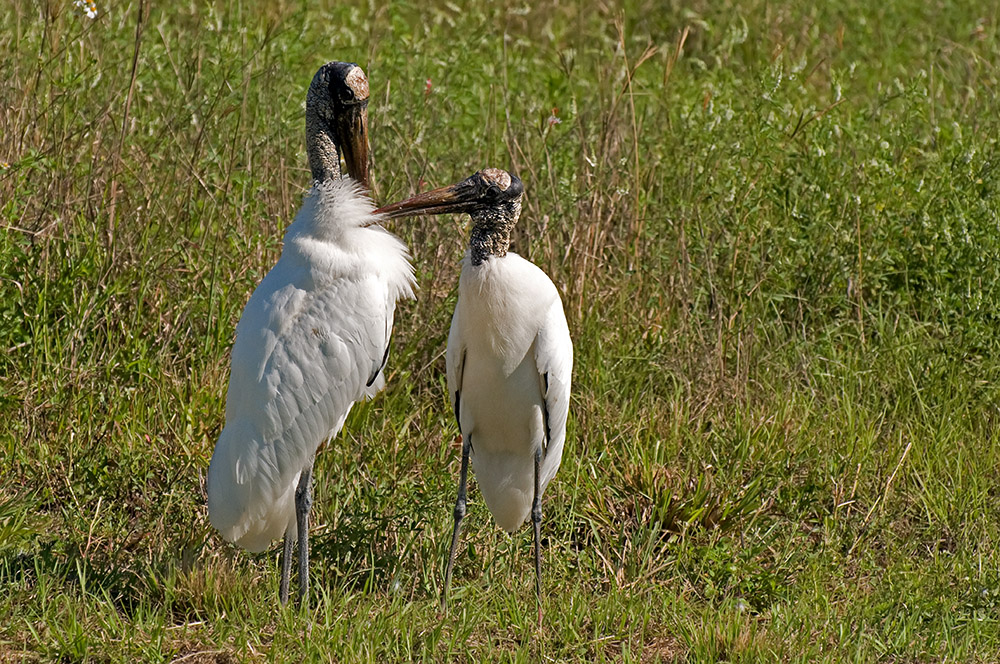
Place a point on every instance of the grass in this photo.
(775, 227)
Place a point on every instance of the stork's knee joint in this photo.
(303, 497)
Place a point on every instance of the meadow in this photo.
(775, 228)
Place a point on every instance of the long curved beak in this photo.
(352, 130)
(453, 198)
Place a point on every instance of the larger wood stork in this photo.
(314, 337)
(509, 359)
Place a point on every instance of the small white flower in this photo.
(87, 7)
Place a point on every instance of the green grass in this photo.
(776, 230)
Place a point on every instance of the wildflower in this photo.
(4, 165)
(979, 32)
(87, 7)
(427, 89)
(554, 118)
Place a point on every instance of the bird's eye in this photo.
(341, 93)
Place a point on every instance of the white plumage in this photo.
(509, 361)
(311, 339)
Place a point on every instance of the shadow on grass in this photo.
(53, 562)
(367, 550)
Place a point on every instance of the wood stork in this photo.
(314, 337)
(509, 359)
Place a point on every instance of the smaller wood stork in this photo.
(509, 359)
(314, 337)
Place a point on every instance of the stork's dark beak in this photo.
(352, 131)
(455, 198)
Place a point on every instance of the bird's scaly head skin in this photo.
(492, 197)
(337, 120)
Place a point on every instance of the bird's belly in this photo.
(503, 412)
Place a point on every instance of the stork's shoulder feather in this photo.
(299, 337)
(554, 361)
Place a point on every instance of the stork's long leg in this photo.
(303, 501)
(536, 519)
(286, 567)
(460, 505)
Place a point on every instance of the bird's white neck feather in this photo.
(334, 235)
(331, 207)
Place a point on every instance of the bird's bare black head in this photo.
(337, 119)
(492, 197)
(345, 83)
(497, 190)
(488, 189)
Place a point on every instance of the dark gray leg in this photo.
(286, 567)
(459, 515)
(303, 501)
(536, 519)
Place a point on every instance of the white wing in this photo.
(306, 349)
(554, 359)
